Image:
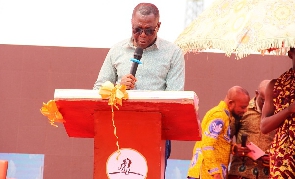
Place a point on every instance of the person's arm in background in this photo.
(210, 140)
(176, 76)
(269, 120)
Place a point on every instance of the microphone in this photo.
(136, 60)
(244, 140)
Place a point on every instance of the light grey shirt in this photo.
(162, 66)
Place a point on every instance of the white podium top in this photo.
(133, 94)
(179, 110)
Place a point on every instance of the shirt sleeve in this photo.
(176, 76)
(196, 162)
(107, 72)
(213, 128)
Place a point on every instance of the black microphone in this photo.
(244, 140)
(137, 56)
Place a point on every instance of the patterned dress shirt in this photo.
(250, 125)
(162, 66)
(211, 154)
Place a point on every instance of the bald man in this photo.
(241, 166)
(211, 155)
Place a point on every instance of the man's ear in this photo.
(159, 24)
(256, 93)
(230, 103)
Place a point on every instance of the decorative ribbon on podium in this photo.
(50, 110)
(115, 94)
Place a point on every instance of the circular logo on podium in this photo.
(126, 164)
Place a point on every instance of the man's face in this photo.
(260, 98)
(291, 53)
(239, 107)
(144, 29)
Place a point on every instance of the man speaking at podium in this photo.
(159, 64)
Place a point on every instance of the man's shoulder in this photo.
(250, 112)
(164, 41)
(283, 75)
(166, 44)
(121, 44)
(217, 112)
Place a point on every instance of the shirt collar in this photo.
(155, 45)
(253, 105)
(223, 105)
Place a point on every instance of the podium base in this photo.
(129, 146)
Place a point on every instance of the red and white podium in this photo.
(132, 145)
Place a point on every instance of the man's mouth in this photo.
(142, 41)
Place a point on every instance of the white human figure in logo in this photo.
(125, 166)
(217, 127)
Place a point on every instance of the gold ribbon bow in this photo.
(115, 94)
(50, 110)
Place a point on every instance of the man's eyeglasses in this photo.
(147, 32)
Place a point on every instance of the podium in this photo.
(130, 142)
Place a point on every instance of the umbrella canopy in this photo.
(242, 27)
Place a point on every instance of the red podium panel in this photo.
(132, 145)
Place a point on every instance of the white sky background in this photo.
(81, 23)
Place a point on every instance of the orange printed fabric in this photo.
(282, 163)
(211, 154)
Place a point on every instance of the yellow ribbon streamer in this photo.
(50, 110)
(115, 94)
